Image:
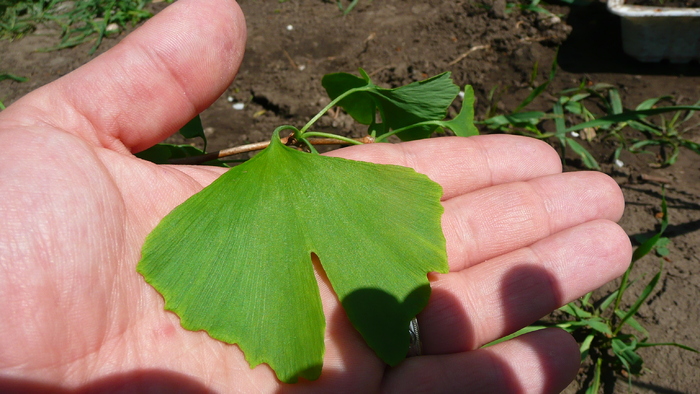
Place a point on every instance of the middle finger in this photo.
(495, 220)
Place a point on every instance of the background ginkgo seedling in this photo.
(235, 260)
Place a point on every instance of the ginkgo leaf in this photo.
(463, 124)
(235, 259)
(400, 107)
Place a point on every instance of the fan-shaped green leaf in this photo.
(235, 259)
(426, 100)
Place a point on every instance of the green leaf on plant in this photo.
(594, 386)
(642, 297)
(522, 331)
(520, 119)
(13, 77)
(399, 108)
(628, 116)
(194, 129)
(588, 160)
(678, 345)
(463, 124)
(235, 259)
(164, 153)
(598, 324)
(572, 309)
(632, 322)
(585, 347)
(626, 353)
(649, 244)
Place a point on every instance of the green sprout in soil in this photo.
(11, 77)
(345, 9)
(235, 260)
(80, 21)
(572, 114)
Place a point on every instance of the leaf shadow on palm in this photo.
(520, 289)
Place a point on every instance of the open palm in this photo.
(76, 205)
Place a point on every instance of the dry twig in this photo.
(465, 54)
(259, 146)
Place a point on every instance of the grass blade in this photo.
(615, 101)
(684, 347)
(637, 304)
(575, 311)
(539, 89)
(595, 384)
(13, 77)
(588, 160)
(632, 115)
(516, 334)
(649, 244)
(632, 322)
(586, 346)
(650, 103)
(598, 325)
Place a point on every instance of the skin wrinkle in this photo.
(515, 215)
(488, 162)
(549, 206)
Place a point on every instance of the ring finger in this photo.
(497, 297)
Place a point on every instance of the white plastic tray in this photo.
(651, 34)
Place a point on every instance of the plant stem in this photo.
(262, 145)
(621, 289)
(310, 146)
(384, 136)
(300, 134)
(328, 136)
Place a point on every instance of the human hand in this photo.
(76, 206)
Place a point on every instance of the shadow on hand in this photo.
(529, 293)
(525, 291)
(144, 381)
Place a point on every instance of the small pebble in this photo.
(302, 67)
(290, 27)
(619, 163)
(112, 28)
(575, 134)
(238, 106)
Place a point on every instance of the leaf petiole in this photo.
(350, 141)
(301, 133)
(384, 136)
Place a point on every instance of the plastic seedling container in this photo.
(651, 34)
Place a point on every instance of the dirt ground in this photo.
(293, 44)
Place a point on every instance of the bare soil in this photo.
(293, 44)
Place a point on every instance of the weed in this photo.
(531, 6)
(12, 77)
(579, 105)
(80, 21)
(345, 9)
